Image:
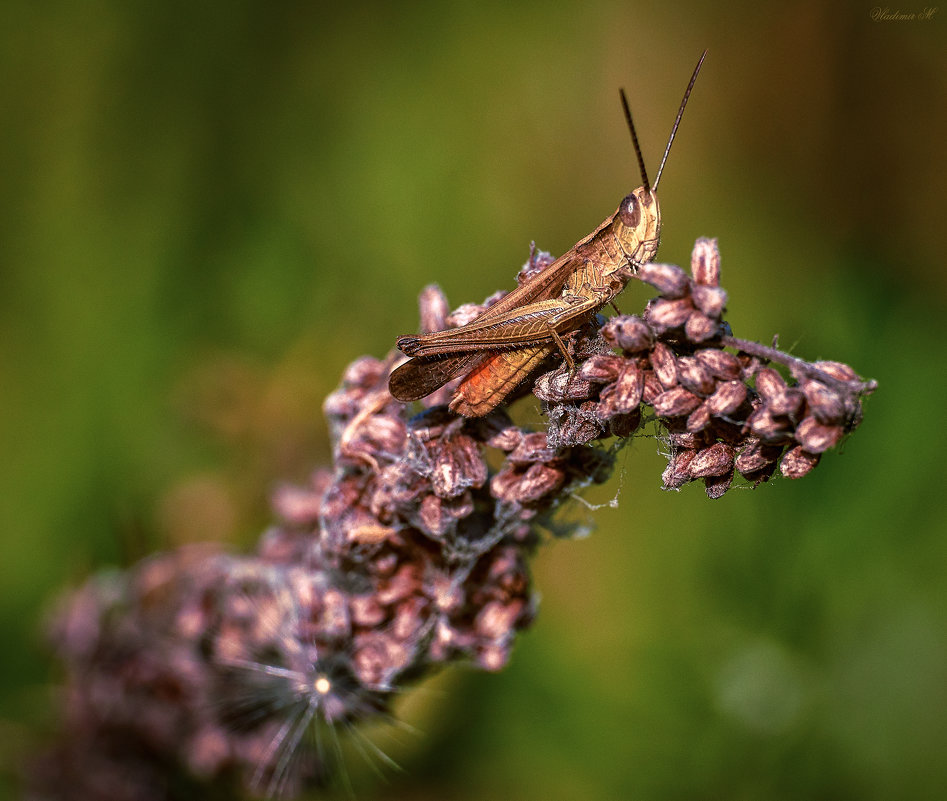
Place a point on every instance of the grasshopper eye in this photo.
(631, 211)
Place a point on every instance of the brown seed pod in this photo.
(571, 425)
(768, 428)
(628, 332)
(723, 365)
(652, 387)
(686, 440)
(432, 304)
(534, 447)
(694, 376)
(663, 315)
(837, 370)
(669, 279)
(769, 383)
(711, 300)
(756, 455)
(560, 386)
(824, 403)
(664, 365)
(716, 486)
(816, 437)
(458, 464)
(705, 262)
(626, 392)
(713, 461)
(601, 368)
(698, 419)
(798, 462)
(700, 328)
(536, 482)
(675, 403)
(677, 473)
(727, 398)
(788, 403)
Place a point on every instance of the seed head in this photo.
(410, 552)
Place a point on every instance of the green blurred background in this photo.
(209, 209)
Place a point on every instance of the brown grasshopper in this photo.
(502, 346)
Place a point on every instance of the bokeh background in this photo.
(209, 209)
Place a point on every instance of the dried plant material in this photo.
(724, 411)
(669, 279)
(411, 553)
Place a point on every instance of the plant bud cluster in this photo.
(721, 407)
(198, 669)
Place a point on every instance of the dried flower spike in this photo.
(196, 668)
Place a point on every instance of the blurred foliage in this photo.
(209, 209)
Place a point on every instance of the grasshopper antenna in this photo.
(634, 139)
(677, 121)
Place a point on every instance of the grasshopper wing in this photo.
(489, 383)
(417, 378)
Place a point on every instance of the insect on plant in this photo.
(502, 346)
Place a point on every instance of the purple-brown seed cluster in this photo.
(722, 411)
(411, 554)
(198, 668)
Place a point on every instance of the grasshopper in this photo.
(501, 347)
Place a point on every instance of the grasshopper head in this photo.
(637, 225)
